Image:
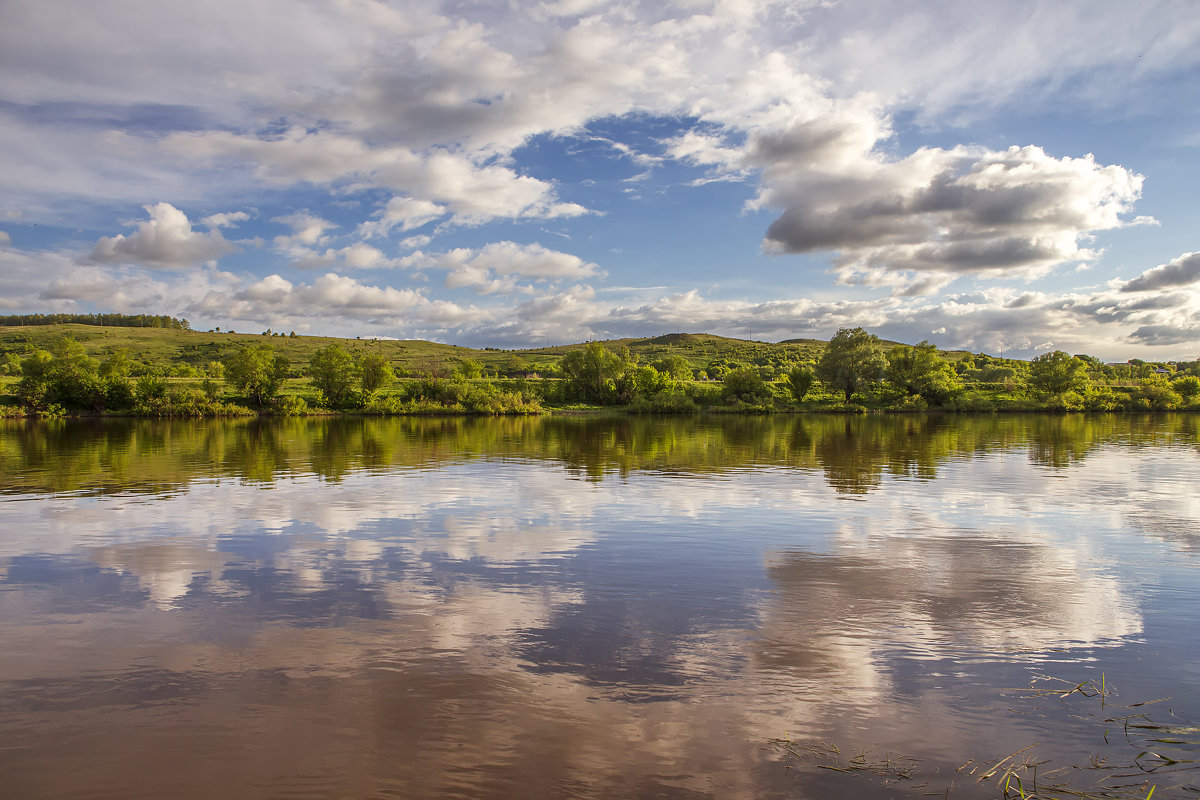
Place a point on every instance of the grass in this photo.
(1162, 758)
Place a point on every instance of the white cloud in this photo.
(334, 300)
(473, 192)
(307, 229)
(165, 241)
(226, 220)
(405, 213)
(363, 256)
(497, 267)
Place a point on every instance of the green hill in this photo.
(196, 348)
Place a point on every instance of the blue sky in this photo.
(996, 176)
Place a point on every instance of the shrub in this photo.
(745, 385)
(289, 405)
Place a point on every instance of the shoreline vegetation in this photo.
(156, 366)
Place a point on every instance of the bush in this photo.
(289, 405)
(1187, 387)
(971, 401)
(665, 403)
(118, 393)
(745, 385)
(1156, 394)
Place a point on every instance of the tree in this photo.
(114, 378)
(641, 380)
(513, 366)
(746, 385)
(333, 373)
(675, 367)
(1057, 373)
(1187, 386)
(257, 372)
(375, 373)
(593, 371)
(116, 365)
(799, 381)
(919, 370)
(853, 360)
(34, 387)
(1158, 394)
(468, 368)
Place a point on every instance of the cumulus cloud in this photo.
(1181, 271)
(334, 299)
(1017, 212)
(405, 213)
(307, 229)
(497, 267)
(165, 241)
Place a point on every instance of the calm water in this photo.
(592, 608)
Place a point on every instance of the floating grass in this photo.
(890, 766)
(1163, 759)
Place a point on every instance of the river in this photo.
(555, 607)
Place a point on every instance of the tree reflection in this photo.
(854, 453)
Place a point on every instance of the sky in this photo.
(1004, 177)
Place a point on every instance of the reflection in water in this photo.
(853, 452)
(575, 607)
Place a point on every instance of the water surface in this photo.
(557, 607)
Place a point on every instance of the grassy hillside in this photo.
(165, 345)
(159, 345)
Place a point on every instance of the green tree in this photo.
(257, 372)
(1187, 386)
(333, 372)
(67, 376)
(745, 385)
(593, 371)
(117, 364)
(1157, 394)
(799, 381)
(513, 366)
(1058, 373)
(853, 360)
(919, 370)
(33, 389)
(114, 378)
(675, 367)
(468, 368)
(375, 373)
(214, 376)
(639, 381)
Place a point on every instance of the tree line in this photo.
(100, 320)
(854, 372)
